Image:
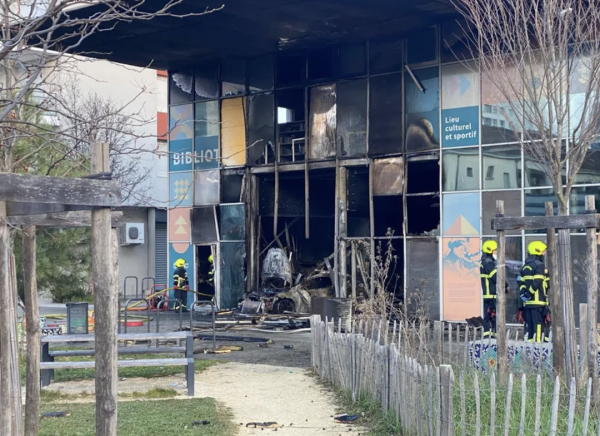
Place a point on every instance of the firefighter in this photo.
(487, 270)
(533, 291)
(211, 273)
(181, 285)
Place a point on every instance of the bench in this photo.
(48, 365)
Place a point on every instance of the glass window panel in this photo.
(460, 105)
(206, 187)
(352, 118)
(291, 119)
(351, 60)
(461, 214)
(385, 56)
(206, 131)
(206, 81)
(536, 169)
(456, 36)
(320, 64)
(261, 74)
(204, 225)
(233, 131)
(514, 262)
(181, 134)
(180, 87)
(233, 222)
(577, 199)
(233, 273)
(580, 272)
(322, 122)
(500, 116)
(422, 46)
(291, 69)
(423, 174)
(385, 119)
(422, 109)
(423, 276)
(233, 77)
(535, 204)
(501, 168)
(590, 170)
(512, 207)
(583, 94)
(261, 125)
(460, 169)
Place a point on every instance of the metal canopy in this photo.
(248, 28)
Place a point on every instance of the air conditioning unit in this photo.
(132, 234)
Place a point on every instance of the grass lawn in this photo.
(143, 418)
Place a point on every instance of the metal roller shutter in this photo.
(160, 256)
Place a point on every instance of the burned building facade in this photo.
(337, 131)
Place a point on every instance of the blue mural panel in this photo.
(461, 214)
(181, 134)
(206, 156)
(185, 251)
(181, 189)
(206, 134)
(460, 127)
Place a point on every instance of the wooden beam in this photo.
(24, 188)
(587, 221)
(7, 405)
(81, 218)
(19, 209)
(106, 308)
(501, 300)
(33, 332)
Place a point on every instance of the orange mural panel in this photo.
(461, 282)
(233, 132)
(180, 229)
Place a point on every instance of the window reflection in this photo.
(535, 202)
(512, 207)
(536, 168)
(422, 102)
(461, 169)
(590, 170)
(233, 76)
(577, 199)
(501, 167)
(500, 117)
(352, 118)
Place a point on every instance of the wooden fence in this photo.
(431, 399)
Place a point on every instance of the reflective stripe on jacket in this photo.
(534, 282)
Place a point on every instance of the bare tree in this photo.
(37, 40)
(543, 59)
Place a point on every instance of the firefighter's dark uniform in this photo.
(533, 290)
(180, 281)
(487, 271)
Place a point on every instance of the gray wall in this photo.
(133, 259)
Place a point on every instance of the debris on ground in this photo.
(262, 425)
(55, 414)
(288, 347)
(346, 419)
(199, 423)
(265, 345)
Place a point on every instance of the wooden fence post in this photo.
(6, 407)
(558, 345)
(446, 400)
(592, 300)
(583, 344)
(501, 301)
(33, 333)
(105, 307)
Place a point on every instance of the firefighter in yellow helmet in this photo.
(181, 285)
(211, 273)
(487, 272)
(533, 290)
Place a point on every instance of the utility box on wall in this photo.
(132, 234)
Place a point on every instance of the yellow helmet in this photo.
(537, 248)
(210, 258)
(179, 263)
(490, 246)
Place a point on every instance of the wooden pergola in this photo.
(29, 201)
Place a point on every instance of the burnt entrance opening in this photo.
(359, 216)
(304, 255)
(389, 215)
(205, 285)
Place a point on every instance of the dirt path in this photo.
(258, 393)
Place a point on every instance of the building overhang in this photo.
(249, 28)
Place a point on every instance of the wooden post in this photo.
(353, 271)
(583, 344)
(446, 400)
(566, 288)
(306, 199)
(501, 301)
(6, 407)
(32, 326)
(558, 346)
(342, 231)
(592, 300)
(105, 307)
